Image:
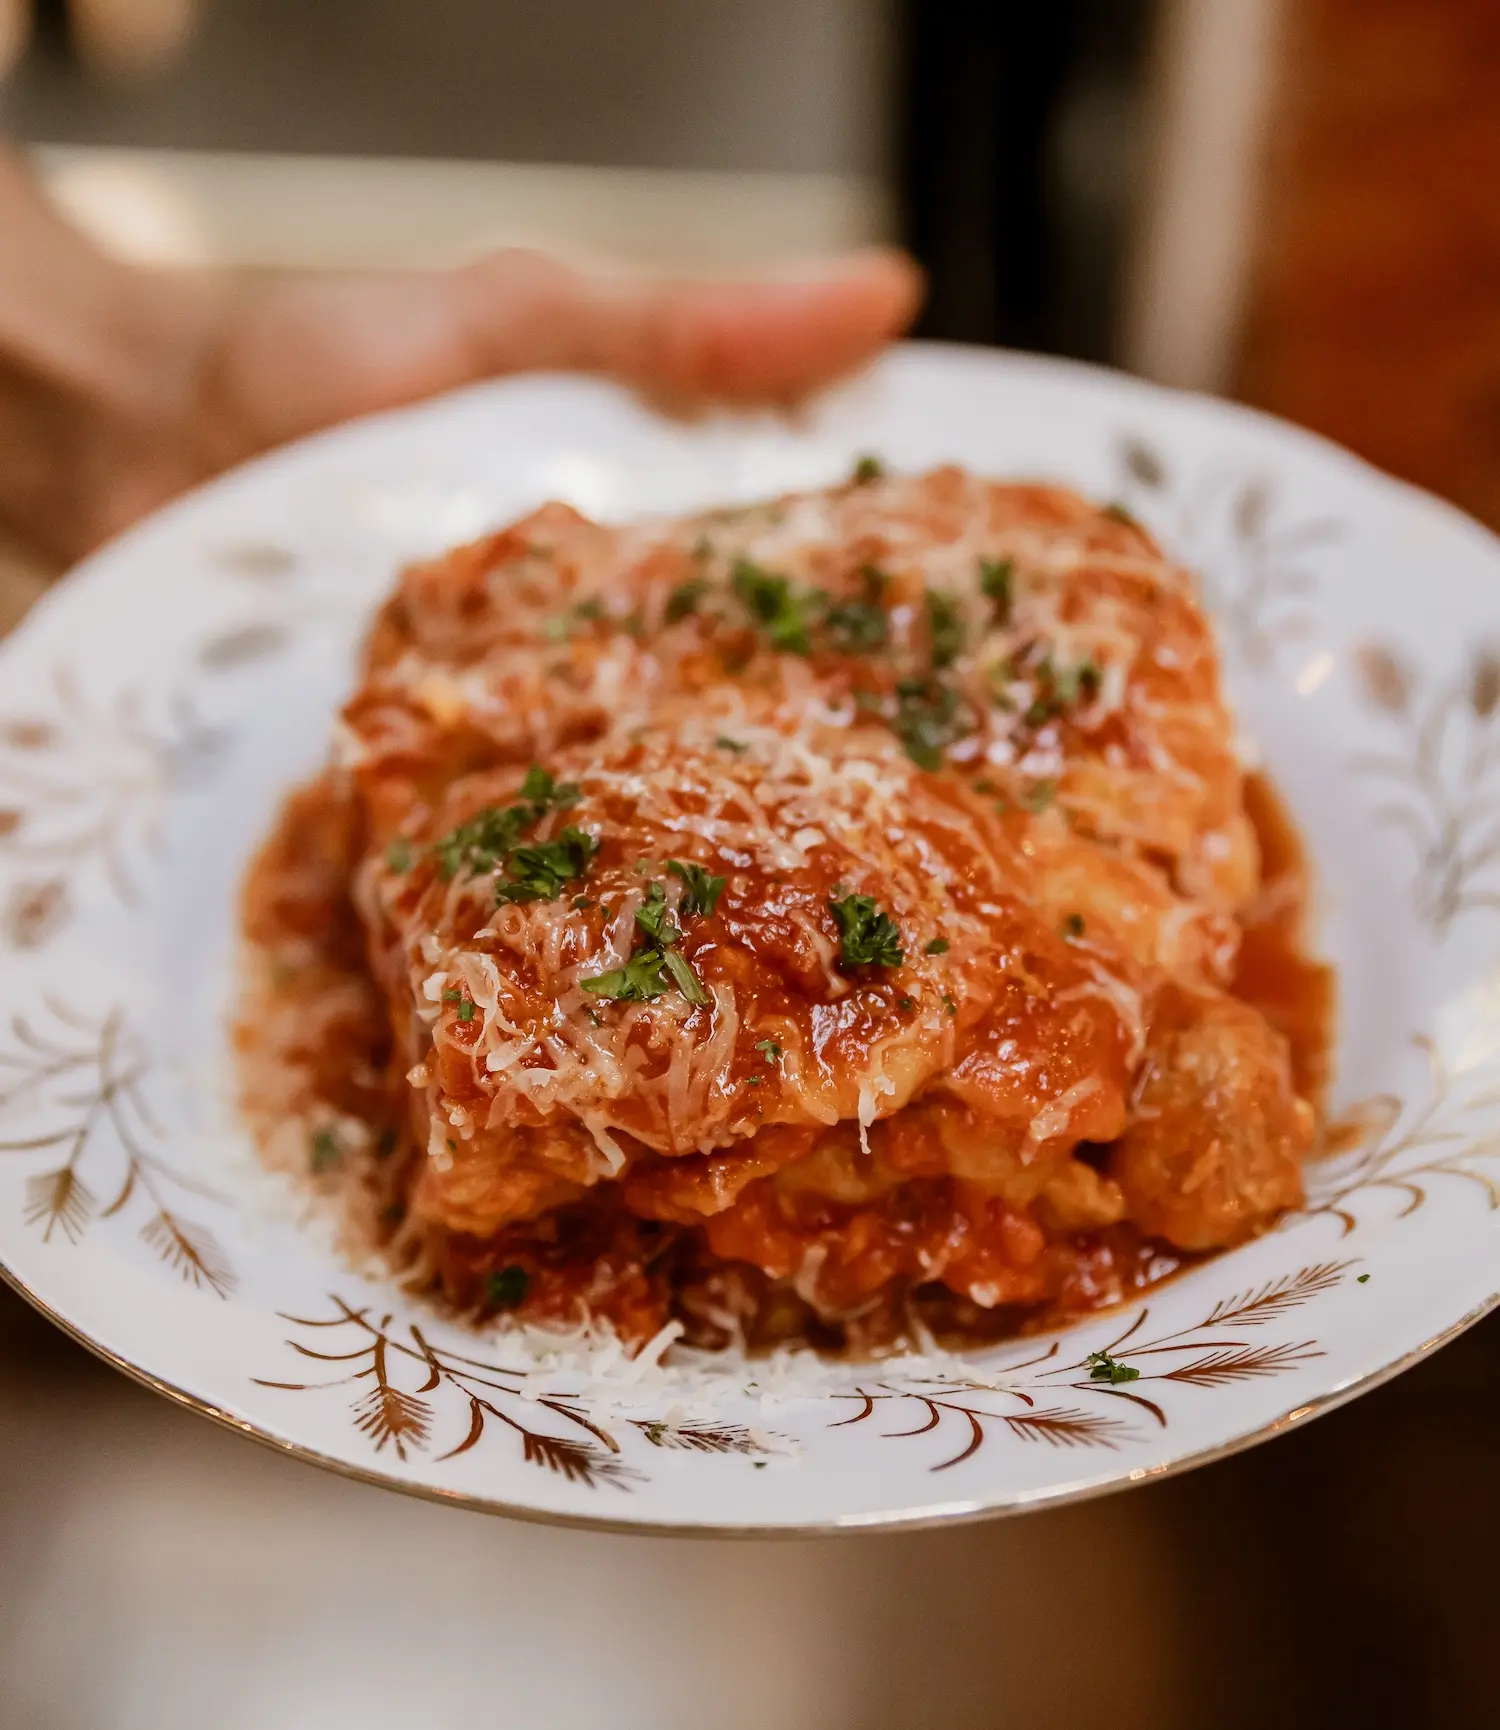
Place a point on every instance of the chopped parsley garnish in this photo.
(867, 469)
(1117, 513)
(505, 1288)
(1074, 925)
(559, 628)
(996, 580)
(466, 1010)
(1040, 712)
(785, 616)
(1059, 688)
(581, 904)
(1104, 1368)
(546, 794)
(736, 747)
(860, 627)
(655, 918)
(906, 1004)
(927, 720)
(1040, 796)
(481, 844)
(641, 979)
(1071, 683)
(325, 1153)
(700, 889)
(949, 1004)
(938, 946)
(453, 995)
(1000, 676)
(769, 1049)
(398, 856)
(1359, 1279)
(946, 632)
(638, 981)
(869, 937)
(685, 597)
(540, 872)
(684, 978)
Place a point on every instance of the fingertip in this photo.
(783, 336)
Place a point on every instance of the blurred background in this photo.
(1297, 204)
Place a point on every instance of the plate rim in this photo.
(929, 1515)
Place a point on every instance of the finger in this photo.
(774, 339)
(314, 353)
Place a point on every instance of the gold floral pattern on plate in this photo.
(404, 1414)
(85, 783)
(1227, 523)
(1439, 779)
(1204, 1355)
(83, 1087)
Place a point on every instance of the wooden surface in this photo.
(1375, 314)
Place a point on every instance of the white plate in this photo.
(156, 706)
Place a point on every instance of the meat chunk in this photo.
(1218, 1140)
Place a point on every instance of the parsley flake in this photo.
(782, 614)
(655, 918)
(1104, 1368)
(946, 631)
(867, 469)
(949, 1004)
(869, 937)
(860, 627)
(1118, 513)
(466, 1011)
(398, 856)
(684, 978)
(452, 995)
(768, 1049)
(927, 720)
(1040, 796)
(938, 946)
(325, 1153)
(547, 794)
(638, 981)
(736, 747)
(1073, 925)
(700, 891)
(684, 599)
(1359, 1279)
(996, 580)
(540, 872)
(505, 1288)
(481, 844)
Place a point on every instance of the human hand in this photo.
(120, 387)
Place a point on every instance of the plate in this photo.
(159, 702)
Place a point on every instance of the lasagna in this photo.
(831, 919)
